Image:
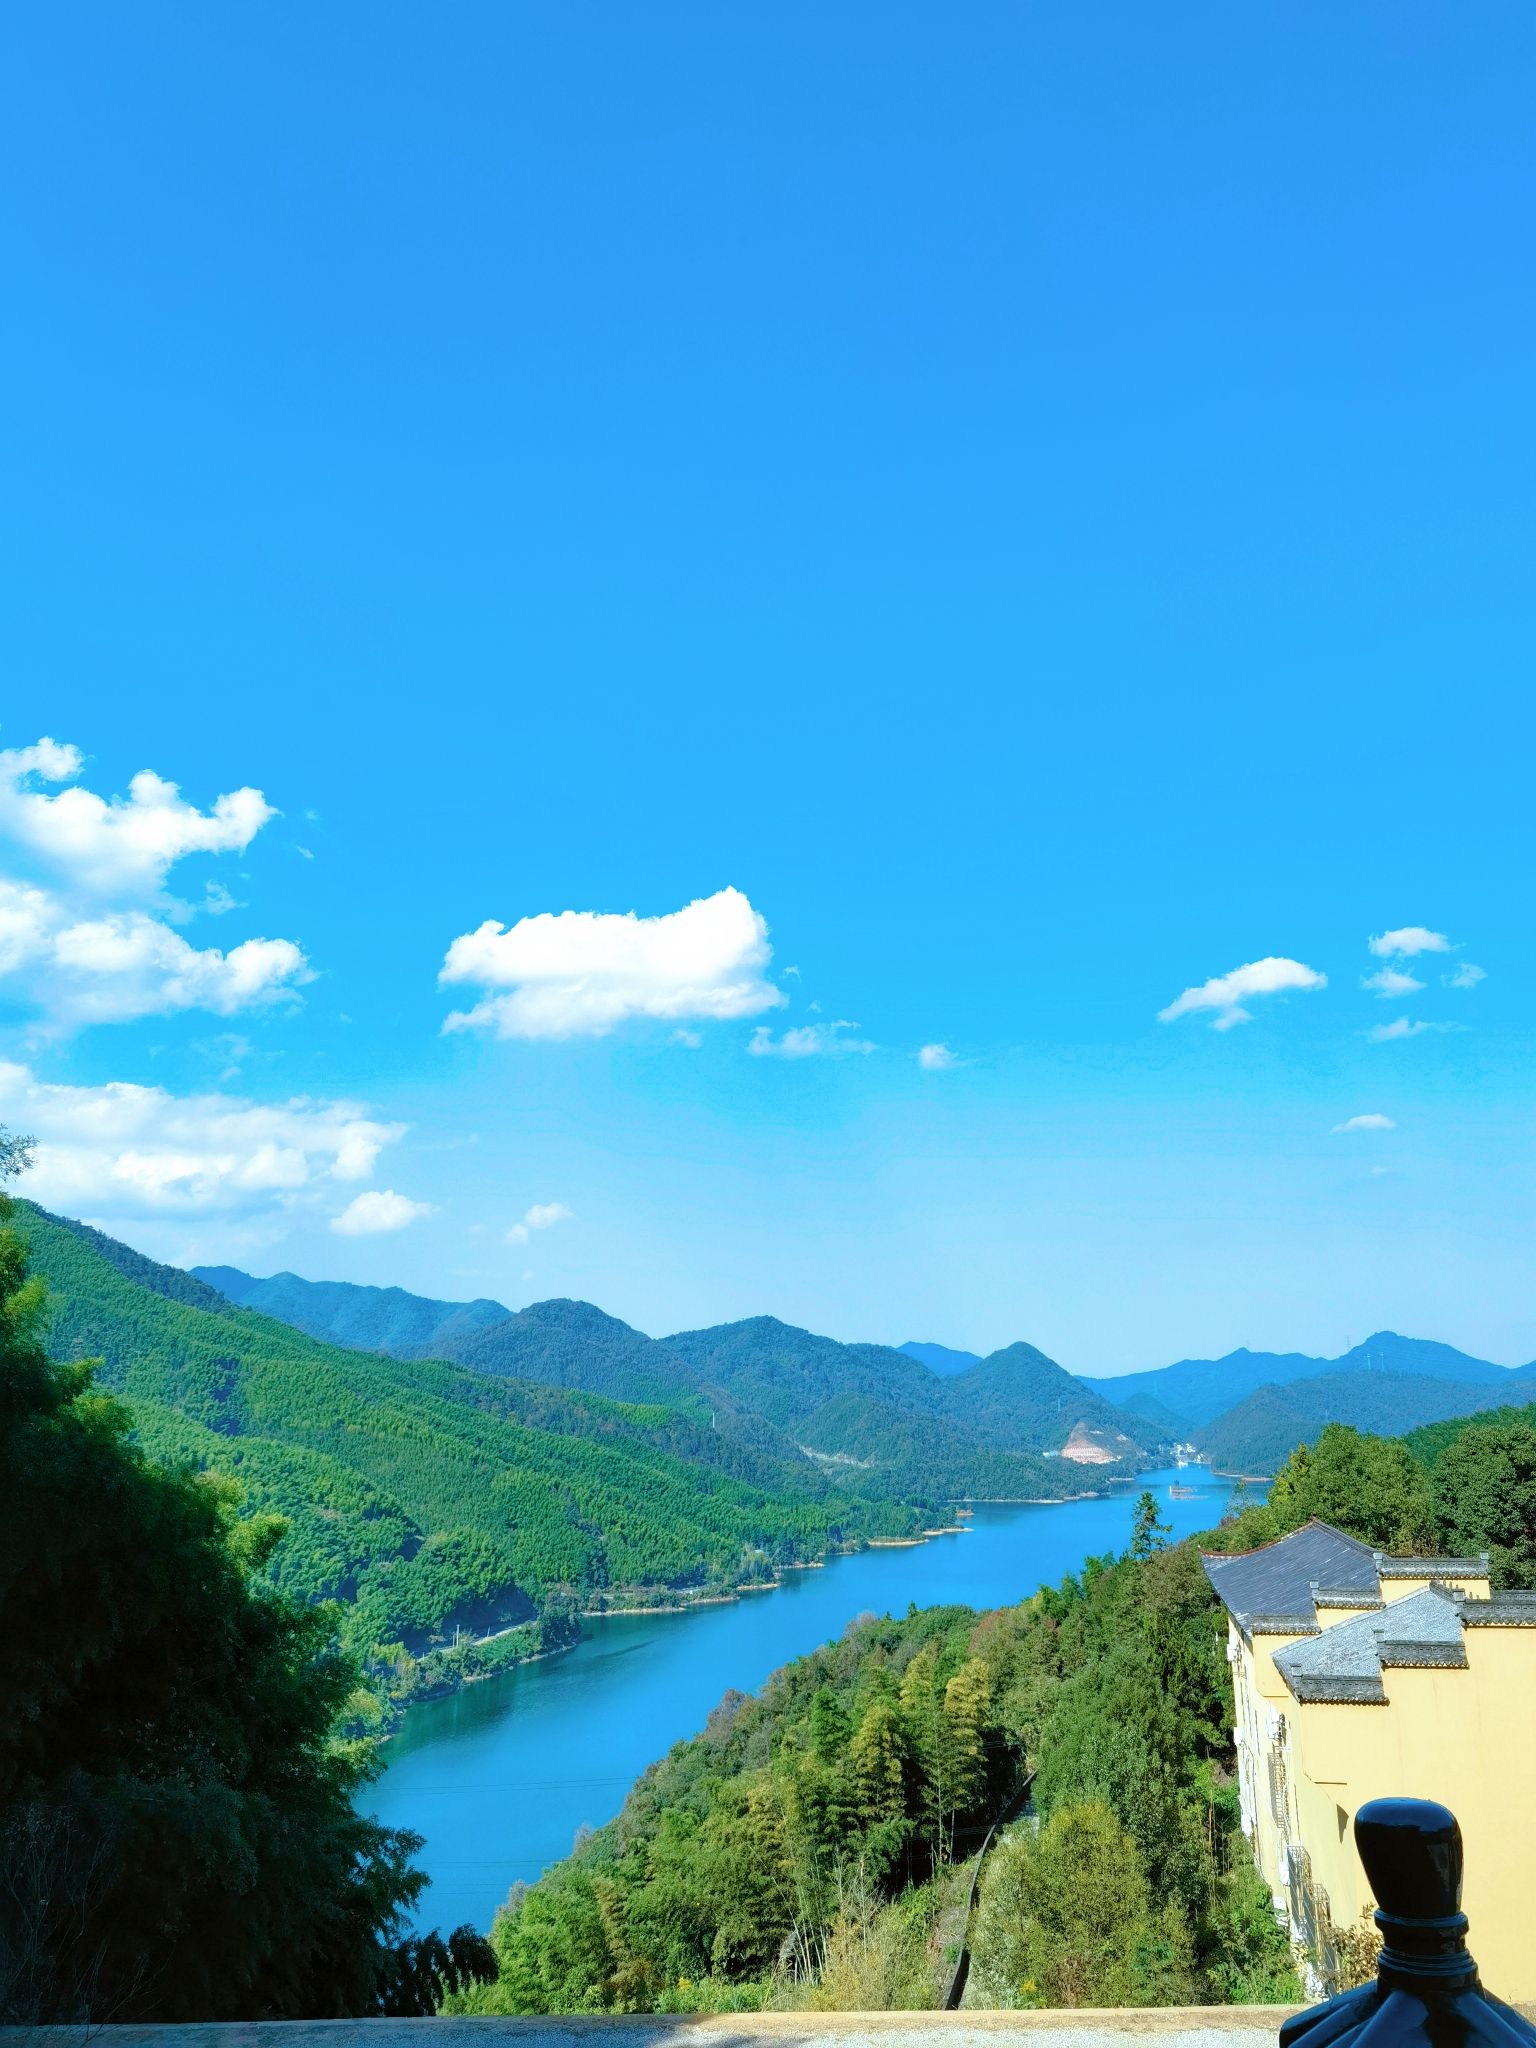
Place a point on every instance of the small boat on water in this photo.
(1184, 1492)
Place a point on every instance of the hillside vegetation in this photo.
(363, 1318)
(840, 1397)
(1258, 1435)
(423, 1496)
(795, 1852)
(178, 1838)
(879, 1422)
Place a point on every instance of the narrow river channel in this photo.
(499, 1777)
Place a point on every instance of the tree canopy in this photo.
(177, 1834)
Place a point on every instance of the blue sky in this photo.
(1036, 503)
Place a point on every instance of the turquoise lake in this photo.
(498, 1778)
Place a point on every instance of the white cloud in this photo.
(121, 845)
(1372, 1122)
(1403, 1027)
(119, 964)
(542, 1216)
(377, 1211)
(126, 1150)
(1227, 993)
(808, 1041)
(84, 958)
(1466, 976)
(582, 972)
(934, 1059)
(1408, 940)
(1391, 981)
(683, 1036)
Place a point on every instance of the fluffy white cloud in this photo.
(1408, 940)
(1372, 1122)
(1465, 976)
(1391, 981)
(119, 964)
(123, 1150)
(808, 1041)
(377, 1211)
(582, 972)
(121, 845)
(1226, 994)
(542, 1216)
(85, 958)
(933, 1059)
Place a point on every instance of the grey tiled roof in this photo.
(1341, 1692)
(1345, 1596)
(1281, 1624)
(1346, 1661)
(1278, 1579)
(1503, 1610)
(1431, 1567)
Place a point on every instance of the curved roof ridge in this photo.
(1312, 1522)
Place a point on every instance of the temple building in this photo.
(1357, 1675)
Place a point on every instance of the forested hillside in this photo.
(848, 1398)
(364, 1318)
(424, 1496)
(798, 1850)
(1258, 1435)
(882, 1423)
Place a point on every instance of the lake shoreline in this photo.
(688, 1603)
(498, 1778)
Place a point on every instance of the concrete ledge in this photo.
(1175, 2026)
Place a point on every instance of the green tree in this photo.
(967, 1730)
(1147, 1532)
(1370, 1486)
(1485, 1498)
(178, 1839)
(879, 1756)
(1066, 1918)
(829, 1729)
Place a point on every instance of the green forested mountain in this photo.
(423, 1495)
(1028, 1398)
(787, 1374)
(849, 1398)
(364, 1318)
(1258, 1435)
(879, 1421)
(573, 1344)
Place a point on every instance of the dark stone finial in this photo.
(1427, 1986)
(1411, 1849)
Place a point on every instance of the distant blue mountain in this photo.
(1259, 1434)
(940, 1359)
(1197, 1390)
(364, 1318)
